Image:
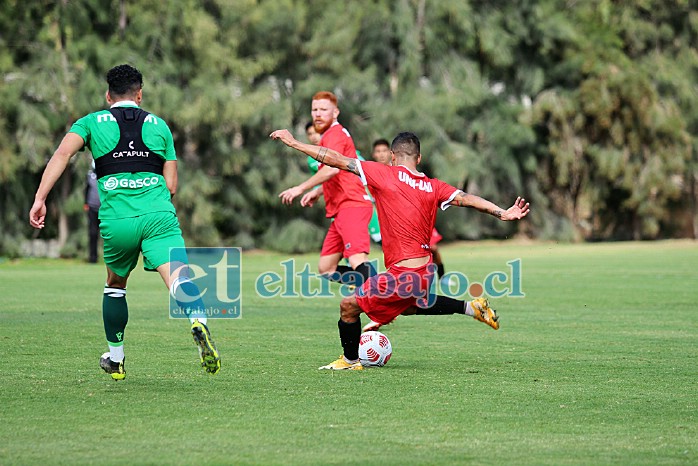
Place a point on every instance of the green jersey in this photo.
(313, 165)
(128, 194)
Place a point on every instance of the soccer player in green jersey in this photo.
(314, 139)
(136, 168)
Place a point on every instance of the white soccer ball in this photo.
(374, 349)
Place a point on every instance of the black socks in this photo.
(443, 306)
(350, 334)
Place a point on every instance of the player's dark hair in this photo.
(380, 142)
(406, 144)
(308, 125)
(124, 80)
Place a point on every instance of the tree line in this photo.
(589, 109)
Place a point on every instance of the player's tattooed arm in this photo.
(323, 155)
(332, 158)
(352, 166)
(517, 211)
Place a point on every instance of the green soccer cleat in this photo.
(484, 313)
(115, 369)
(207, 349)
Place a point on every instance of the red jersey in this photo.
(344, 189)
(406, 204)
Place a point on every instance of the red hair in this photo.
(326, 95)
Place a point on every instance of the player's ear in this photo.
(139, 96)
(335, 113)
(108, 97)
(419, 158)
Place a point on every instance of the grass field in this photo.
(598, 364)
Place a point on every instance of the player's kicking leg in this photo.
(479, 309)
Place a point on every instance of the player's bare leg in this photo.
(355, 274)
(328, 263)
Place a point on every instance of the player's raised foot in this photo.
(115, 369)
(484, 313)
(210, 360)
(371, 326)
(341, 364)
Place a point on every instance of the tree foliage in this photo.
(589, 109)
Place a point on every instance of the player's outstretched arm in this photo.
(324, 174)
(68, 147)
(516, 212)
(321, 154)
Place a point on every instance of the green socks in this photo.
(115, 316)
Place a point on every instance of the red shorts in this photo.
(348, 233)
(435, 238)
(385, 296)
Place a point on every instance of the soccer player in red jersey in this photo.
(346, 200)
(381, 153)
(406, 201)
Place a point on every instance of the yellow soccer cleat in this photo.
(210, 360)
(341, 364)
(115, 369)
(483, 312)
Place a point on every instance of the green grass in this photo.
(596, 365)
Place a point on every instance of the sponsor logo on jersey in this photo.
(422, 185)
(130, 153)
(105, 117)
(114, 183)
(109, 117)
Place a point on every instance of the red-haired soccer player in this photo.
(346, 201)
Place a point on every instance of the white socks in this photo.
(116, 353)
(469, 309)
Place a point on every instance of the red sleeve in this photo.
(444, 193)
(373, 174)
